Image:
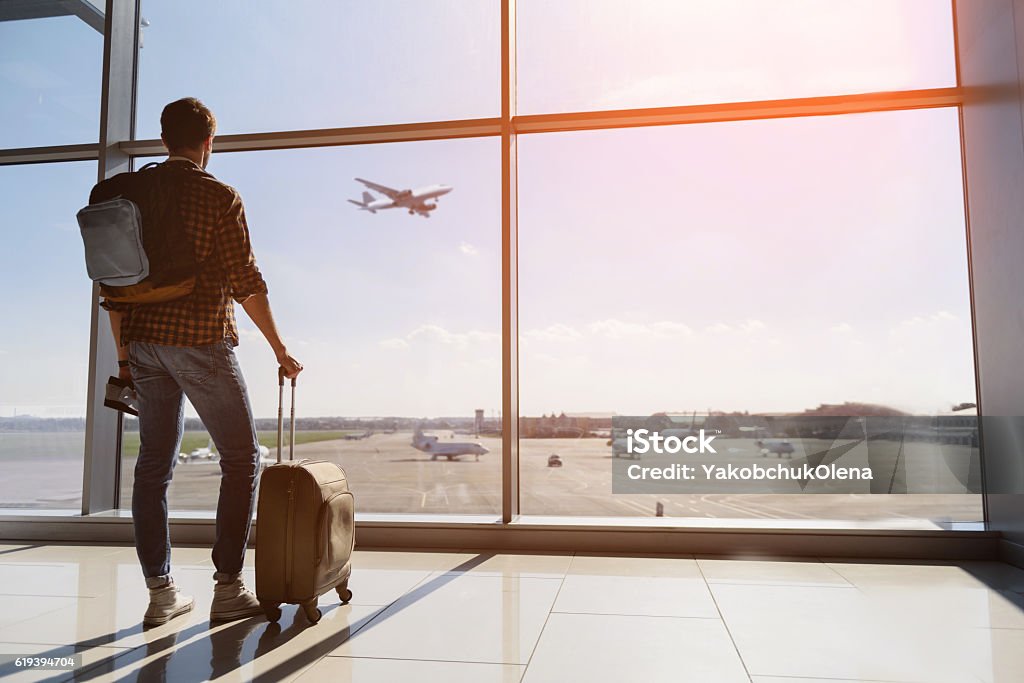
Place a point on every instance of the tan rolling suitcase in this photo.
(305, 529)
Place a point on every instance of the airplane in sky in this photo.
(430, 444)
(414, 201)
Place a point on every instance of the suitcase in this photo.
(305, 529)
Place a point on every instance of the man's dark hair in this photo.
(186, 124)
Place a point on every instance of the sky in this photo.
(763, 266)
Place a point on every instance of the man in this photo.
(184, 348)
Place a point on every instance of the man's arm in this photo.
(247, 285)
(257, 307)
(122, 351)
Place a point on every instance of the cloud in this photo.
(939, 317)
(749, 326)
(841, 328)
(247, 333)
(554, 333)
(440, 335)
(468, 249)
(613, 328)
(718, 328)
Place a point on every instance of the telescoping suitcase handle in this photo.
(280, 417)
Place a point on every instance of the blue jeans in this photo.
(212, 380)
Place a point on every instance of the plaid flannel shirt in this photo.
(215, 223)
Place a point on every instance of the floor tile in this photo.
(787, 679)
(998, 575)
(91, 575)
(407, 560)
(899, 573)
(597, 648)
(951, 607)
(644, 596)
(181, 557)
(378, 586)
(360, 670)
(90, 658)
(64, 553)
(785, 572)
(57, 579)
(116, 618)
(802, 631)
(1004, 649)
(86, 577)
(453, 617)
(539, 565)
(239, 651)
(611, 565)
(16, 609)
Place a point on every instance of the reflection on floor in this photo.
(479, 616)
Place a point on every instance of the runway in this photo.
(389, 476)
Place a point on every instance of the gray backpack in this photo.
(112, 233)
(136, 245)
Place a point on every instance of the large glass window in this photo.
(579, 55)
(323, 64)
(789, 267)
(799, 280)
(51, 61)
(44, 349)
(395, 316)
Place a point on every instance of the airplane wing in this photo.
(386, 191)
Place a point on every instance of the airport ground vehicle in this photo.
(776, 447)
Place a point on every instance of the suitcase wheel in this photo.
(344, 594)
(273, 612)
(312, 613)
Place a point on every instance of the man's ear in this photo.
(209, 144)
(164, 142)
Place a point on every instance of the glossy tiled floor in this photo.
(479, 617)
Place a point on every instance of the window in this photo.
(396, 318)
(749, 276)
(45, 351)
(580, 55)
(293, 66)
(791, 266)
(50, 75)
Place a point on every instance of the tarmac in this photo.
(388, 475)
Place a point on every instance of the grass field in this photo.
(193, 440)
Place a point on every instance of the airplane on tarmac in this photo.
(415, 201)
(430, 444)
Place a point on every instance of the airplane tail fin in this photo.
(365, 204)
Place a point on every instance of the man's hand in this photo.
(125, 374)
(291, 367)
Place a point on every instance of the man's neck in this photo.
(195, 159)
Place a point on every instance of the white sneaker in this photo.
(165, 603)
(232, 600)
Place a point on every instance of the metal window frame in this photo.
(118, 147)
(101, 471)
